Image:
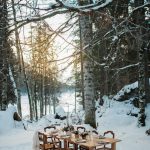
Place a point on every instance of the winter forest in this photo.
(98, 51)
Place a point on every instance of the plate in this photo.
(64, 136)
(81, 141)
(101, 137)
(102, 142)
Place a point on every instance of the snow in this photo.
(125, 127)
(115, 38)
(111, 116)
(126, 89)
(87, 8)
(6, 119)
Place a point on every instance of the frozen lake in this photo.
(66, 100)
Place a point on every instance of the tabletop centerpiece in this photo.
(68, 129)
(71, 128)
(76, 133)
(84, 134)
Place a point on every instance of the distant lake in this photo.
(66, 100)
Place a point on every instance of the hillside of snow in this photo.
(111, 116)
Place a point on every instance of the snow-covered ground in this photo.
(108, 118)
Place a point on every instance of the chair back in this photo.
(49, 128)
(110, 132)
(81, 129)
(95, 132)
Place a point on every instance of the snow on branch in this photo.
(141, 7)
(126, 67)
(49, 7)
(85, 8)
(35, 19)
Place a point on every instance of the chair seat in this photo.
(48, 143)
(46, 146)
(106, 148)
(102, 148)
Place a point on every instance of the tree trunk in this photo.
(86, 37)
(41, 94)
(35, 99)
(27, 86)
(19, 62)
(82, 76)
(3, 55)
(139, 20)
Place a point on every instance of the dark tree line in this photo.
(38, 78)
(120, 50)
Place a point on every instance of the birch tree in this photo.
(86, 37)
(140, 22)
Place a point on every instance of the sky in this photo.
(62, 48)
(61, 45)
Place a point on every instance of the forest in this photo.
(109, 49)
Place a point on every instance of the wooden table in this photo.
(90, 143)
(93, 142)
(65, 139)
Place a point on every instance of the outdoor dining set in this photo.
(75, 138)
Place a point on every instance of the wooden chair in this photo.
(81, 129)
(56, 142)
(101, 147)
(53, 139)
(86, 148)
(95, 132)
(48, 128)
(104, 147)
(44, 145)
(71, 144)
(111, 132)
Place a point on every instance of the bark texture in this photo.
(3, 52)
(89, 96)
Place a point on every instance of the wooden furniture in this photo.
(90, 145)
(106, 147)
(56, 142)
(92, 142)
(66, 142)
(81, 129)
(51, 138)
(43, 143)
(113, 136)
(111, 132)
(48, 128)
(71, 144)
(101, 147)
(95, 132)
(85, 148)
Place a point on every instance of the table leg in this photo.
(75, 146)
(65, 144)
(113, 146)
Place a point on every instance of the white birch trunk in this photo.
(86, 37)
